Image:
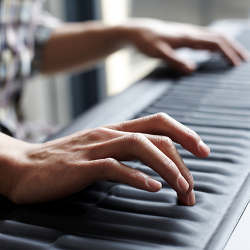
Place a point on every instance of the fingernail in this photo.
(203, 148)
(191, 198)
(153, 184)
(182, 184)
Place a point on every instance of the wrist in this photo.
(121, 35)
(12, 162)
(127, 32)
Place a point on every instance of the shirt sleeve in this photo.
(45, 25)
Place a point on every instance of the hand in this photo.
(61, 167)
(159, 39)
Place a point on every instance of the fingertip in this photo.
(188, 199)
(181, 65)
(153, 185)
(192, 66)
(188, 68)
(191, 198)
(203, 149)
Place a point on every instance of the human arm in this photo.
(40, 172)
(74, 46)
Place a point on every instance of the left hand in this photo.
(159, 39)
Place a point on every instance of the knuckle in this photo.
(106, 168)
(93, 135)
(136, 138)
(110, 163)
(96, 134)
(100, 130)
(165, 142)
(169, 143)
(161, 117)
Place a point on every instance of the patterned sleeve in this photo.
(24, 30)
(44, 27)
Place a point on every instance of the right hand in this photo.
(160, 39)
(61, 167)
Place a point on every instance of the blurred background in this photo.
(59, 99)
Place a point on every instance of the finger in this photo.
(99, 135)
(162, 124)
(229, 54)
(116, 171)
(139, 147)
(166, 145)
(111, 169)
(189, 198)
(168, 54)
(219, 45)
(238, 48)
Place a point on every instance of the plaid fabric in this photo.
(24, 28)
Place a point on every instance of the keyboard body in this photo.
(215, 102)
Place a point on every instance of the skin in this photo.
(93, 41)
(32, 173)
(58, 168)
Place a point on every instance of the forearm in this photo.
(79, 45)
(11, 160)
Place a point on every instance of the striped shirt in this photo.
(24, 29)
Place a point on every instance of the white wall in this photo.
(125, 67)
(194, 11)
(47, 99)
